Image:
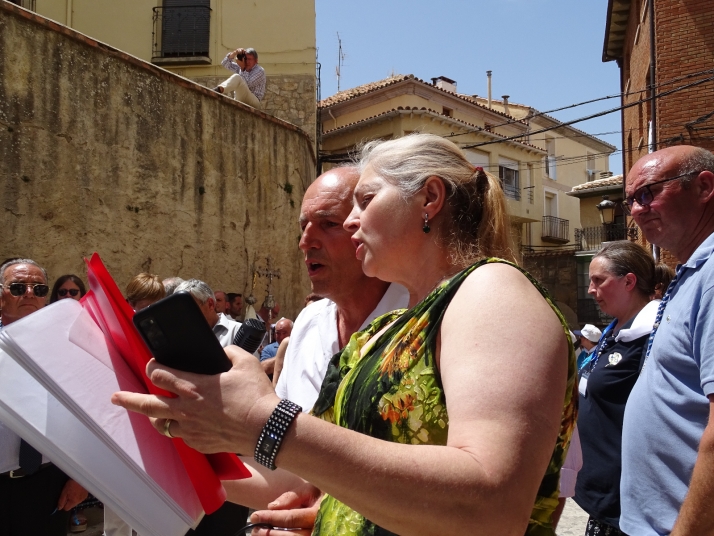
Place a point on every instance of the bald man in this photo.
(353, 299)
(668, 434)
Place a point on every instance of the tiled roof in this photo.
(429, 111)
(348, 94)
(364, 89)
(600, 183)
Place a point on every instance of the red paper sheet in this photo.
(113, 315)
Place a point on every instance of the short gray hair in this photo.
(170, 284)
(697, 161)
(198, 289)
(252, 52)
(20, 261)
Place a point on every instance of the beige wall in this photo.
(283, 33)
(418, 121)
(127, 25)
(113, 155)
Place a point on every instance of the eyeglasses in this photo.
(72, 291)
(18, 289)
(644, 195)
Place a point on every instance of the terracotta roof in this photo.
(348, 94)
(364, 89)
(429, 111)
(600, 183)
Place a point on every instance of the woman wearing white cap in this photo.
(589, 337)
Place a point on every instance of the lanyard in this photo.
(599, 348)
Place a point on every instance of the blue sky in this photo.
(544, 53)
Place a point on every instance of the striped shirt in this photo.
(255, 78)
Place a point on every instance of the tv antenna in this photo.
(340, 60)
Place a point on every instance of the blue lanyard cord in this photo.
(660, 312)
(602, 343)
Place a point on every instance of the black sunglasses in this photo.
(644, 196)
(18, 289)
(72, 291)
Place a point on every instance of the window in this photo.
(477, 158)
(182, 29)
(550, 159)
(508, 173)
(551, 204)
(27, 4)
(448, 112)
(590, 167)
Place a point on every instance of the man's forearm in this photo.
(696, 517)
(227, 63)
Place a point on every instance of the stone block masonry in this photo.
(287, 97)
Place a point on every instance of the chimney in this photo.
(488, 75)
(605, 174)
(505, 104)
(444, 83)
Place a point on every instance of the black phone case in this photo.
(179, 336)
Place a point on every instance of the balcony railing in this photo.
(555, 230)
(591, 238)
(181, 34)
(511, 191)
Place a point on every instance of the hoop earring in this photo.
(426, 227)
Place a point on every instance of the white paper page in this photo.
(71, 358)
(31, 412)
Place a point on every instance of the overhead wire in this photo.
(591, 116)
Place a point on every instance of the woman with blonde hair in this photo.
(143, 290)
(427, 422)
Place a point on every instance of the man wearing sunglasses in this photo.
(35, 496)
(668, 435)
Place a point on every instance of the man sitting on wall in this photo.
(249, 80)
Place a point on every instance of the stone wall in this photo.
(557, 271)
(291, 98)
(100, 151)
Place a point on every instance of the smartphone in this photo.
(179, 336)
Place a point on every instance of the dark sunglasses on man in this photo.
(71, 291)
(18, 289)
(644, 195)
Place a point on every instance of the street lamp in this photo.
(607, 210)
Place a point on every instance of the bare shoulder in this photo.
(498, 285)
(498, 302)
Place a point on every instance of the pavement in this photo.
(572, 522)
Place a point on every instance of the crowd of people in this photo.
(402, 403)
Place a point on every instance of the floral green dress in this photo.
(394, 393)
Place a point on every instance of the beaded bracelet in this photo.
(273, 432)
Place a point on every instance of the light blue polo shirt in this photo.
(668, 408)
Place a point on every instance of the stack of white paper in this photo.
(55, 392)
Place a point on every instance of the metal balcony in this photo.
(511, 191)
(555, 230)
(181, 35)
(591, 238)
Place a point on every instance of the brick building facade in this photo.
(683, 54)
(669, 85)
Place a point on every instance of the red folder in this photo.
(113, 315)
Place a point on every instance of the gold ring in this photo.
(167, 428)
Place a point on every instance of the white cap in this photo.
(591, 333)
